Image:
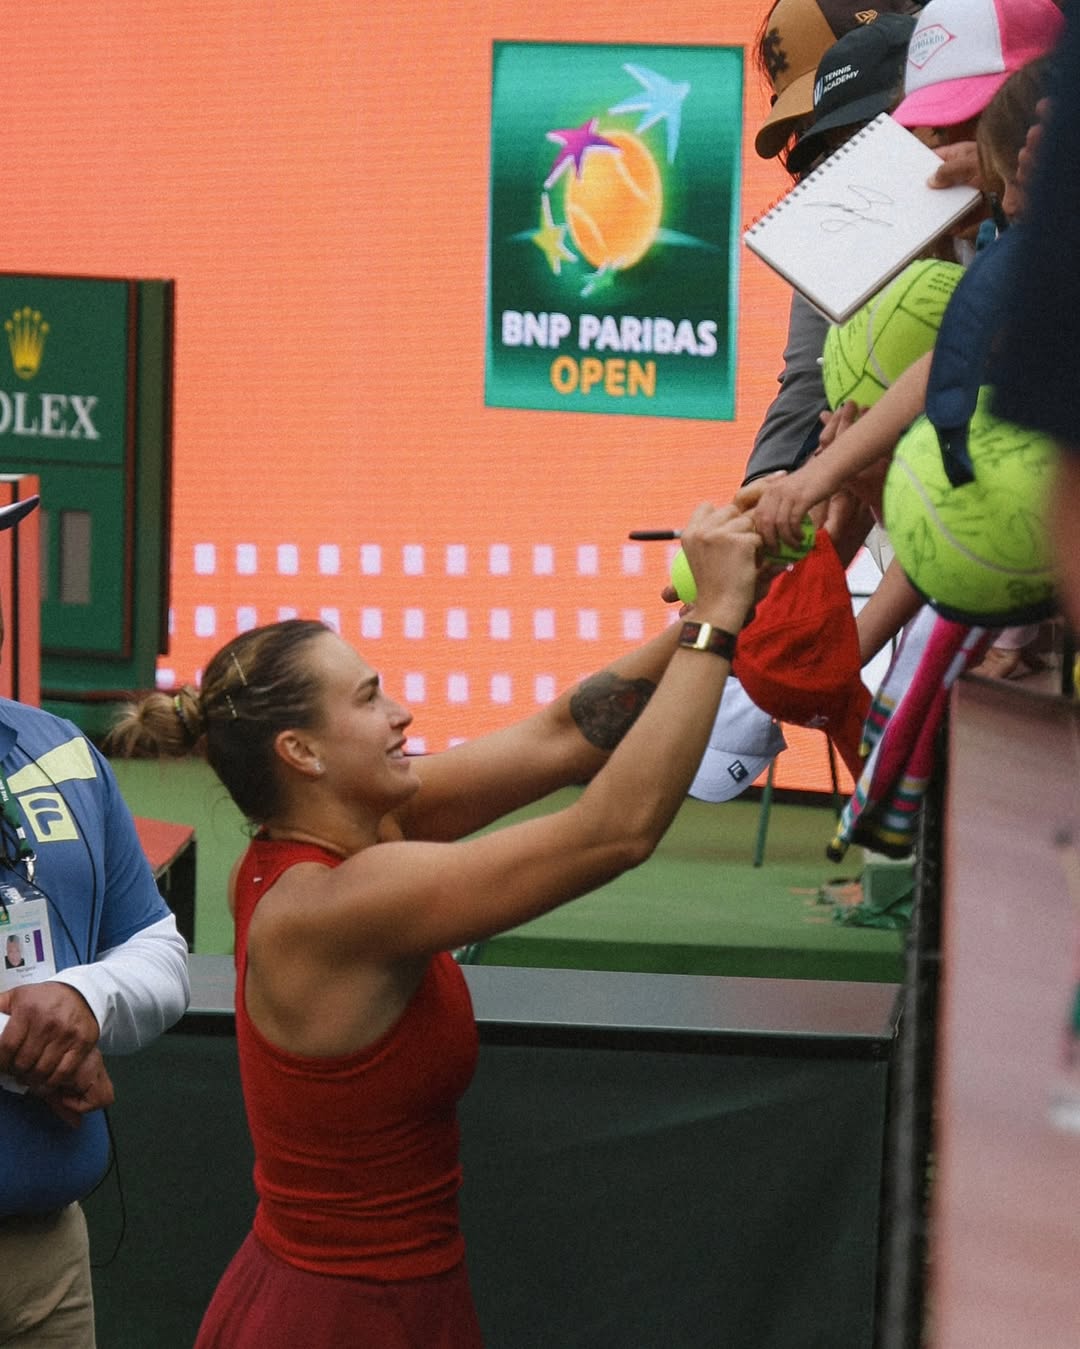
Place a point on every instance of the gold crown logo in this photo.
(26, 331)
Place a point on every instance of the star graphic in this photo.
(576, 142)
(549, 238)
(661, 100)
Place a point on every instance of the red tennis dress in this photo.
(356, 1238)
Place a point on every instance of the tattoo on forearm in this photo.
(605, 707)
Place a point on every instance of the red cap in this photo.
(798, 658)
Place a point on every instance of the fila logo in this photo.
(49, 816)
(738, 770)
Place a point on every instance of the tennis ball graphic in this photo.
(613, 208)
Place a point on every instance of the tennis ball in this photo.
(865, 355)
(682, 578)
(784, 552)
(980, 553)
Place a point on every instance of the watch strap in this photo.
(704, 637)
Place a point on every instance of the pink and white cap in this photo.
(963, 51)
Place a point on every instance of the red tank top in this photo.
(356, 1157)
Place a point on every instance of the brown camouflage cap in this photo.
(798, 33)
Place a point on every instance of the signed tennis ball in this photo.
(865, 355)
(682, 578)
(784, 552)
(980, 553)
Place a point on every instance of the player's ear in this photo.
(299, 753)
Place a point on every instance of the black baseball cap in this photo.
(795, 36)
(861, 75)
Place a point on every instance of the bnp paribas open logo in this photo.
(612, 200)
(617, 294)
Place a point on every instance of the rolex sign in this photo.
(85, 404)
(64, 369)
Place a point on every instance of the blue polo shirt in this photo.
(100, 892)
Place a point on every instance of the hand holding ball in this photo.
(785, 553)
(682, 578)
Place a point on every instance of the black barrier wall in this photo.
(704, 1173)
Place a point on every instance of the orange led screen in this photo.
(317, 179)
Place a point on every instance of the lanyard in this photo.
(10, 812)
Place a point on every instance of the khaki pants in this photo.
(46, 1300)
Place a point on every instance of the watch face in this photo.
(704, 637)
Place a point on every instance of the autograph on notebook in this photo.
(865, 201)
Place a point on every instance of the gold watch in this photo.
(704, 637)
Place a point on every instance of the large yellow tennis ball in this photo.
(980, 553)
(865, 355)
(682, 578)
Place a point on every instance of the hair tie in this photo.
(178, 708)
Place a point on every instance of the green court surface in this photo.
(698, 906)
(185, 791)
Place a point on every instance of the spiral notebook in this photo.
(858, 219)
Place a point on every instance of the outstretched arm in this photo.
(400, 900)
(894, 603)
(779, 504)
(563, 744)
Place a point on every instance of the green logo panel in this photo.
(612, 270)
(64, 369)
